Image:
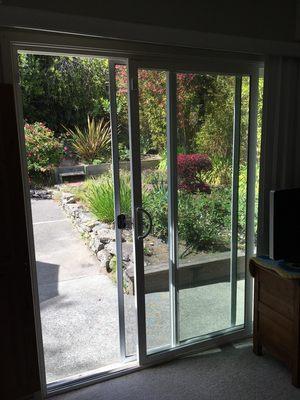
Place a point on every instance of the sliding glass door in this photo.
(193, 144)
(164, 271)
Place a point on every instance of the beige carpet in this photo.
(233, 373)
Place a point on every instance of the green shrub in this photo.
(43, 150)
(124, 152)
(99, 197)
(221, 172)
(98, 161)
(155, 200)
(90, 143)
(154, 178)
(203, 219)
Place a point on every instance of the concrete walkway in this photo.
(79, 309)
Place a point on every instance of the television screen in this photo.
(285, 225)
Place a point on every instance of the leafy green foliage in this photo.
(61, 90)
(124, 153)
(155, 200)
(215, 134)
(98, 161)
(194, 91)
(90, 143)
(203, 219)
(43, 150)
(152, 112)
(220, 173)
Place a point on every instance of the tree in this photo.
(62, 91)
(192, 92)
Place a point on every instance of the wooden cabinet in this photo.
(277, 314)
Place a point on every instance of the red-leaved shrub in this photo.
(189, 167)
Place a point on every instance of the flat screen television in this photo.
(285, 225)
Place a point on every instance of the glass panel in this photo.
(66, 108)
(205, 110)
(153, 139)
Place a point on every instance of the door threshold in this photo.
(89, 378)
(120, 369)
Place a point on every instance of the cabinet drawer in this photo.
(277, 293)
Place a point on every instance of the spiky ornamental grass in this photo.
(90, 143)
(100, 197)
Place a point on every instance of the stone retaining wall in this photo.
(100, 238)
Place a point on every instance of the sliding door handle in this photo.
(140, 211)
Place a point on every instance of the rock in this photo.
(106, 235)
(41, 194)
(80, 229)
(104, 258)
(68, 198)
(85, 217)
(127, 234)
(129, 269)
(66, 195)
(72, 209)
(99, 226)
(85, 228)
(111, 248)
(127, 251)
(96, 245)
(92, 224)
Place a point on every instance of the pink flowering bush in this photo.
(43, 150)
(189, 167)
